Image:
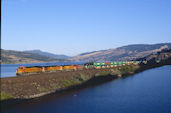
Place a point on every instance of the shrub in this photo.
(68, 83)
(5, 96)
(103, 73)
(127, 69)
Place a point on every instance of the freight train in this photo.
(22, 70)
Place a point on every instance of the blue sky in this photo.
(75, 26)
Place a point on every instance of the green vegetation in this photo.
(82, 77)
(115, 72)
(43, 89)
(68, 83)
(119, 71)
(55, 86)
(75, 81)
(103, 73)
(5, 96)
(128, 69)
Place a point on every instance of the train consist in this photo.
(22, 70)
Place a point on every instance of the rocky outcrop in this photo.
(162, 56)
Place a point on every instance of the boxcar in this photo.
(97, 65)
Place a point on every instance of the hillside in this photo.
(48, 54)
(128, 52)
(11, 56)
(164, 55)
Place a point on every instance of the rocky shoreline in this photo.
(24, 88)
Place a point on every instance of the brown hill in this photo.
(129, 52)
(11, 56)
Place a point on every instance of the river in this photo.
(145, 92)
(9, 70)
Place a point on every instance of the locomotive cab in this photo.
(20, 70)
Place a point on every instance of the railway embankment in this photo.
(17, 89)
(26, 87)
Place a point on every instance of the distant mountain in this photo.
(48, 54)
(128, 52)
(11, 56)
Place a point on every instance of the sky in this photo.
(72, 27)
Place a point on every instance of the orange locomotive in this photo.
(32, 70)
(52, 68)
(70, 67)
(27, 70)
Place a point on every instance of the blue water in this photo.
(145, 92)
(9, 70)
